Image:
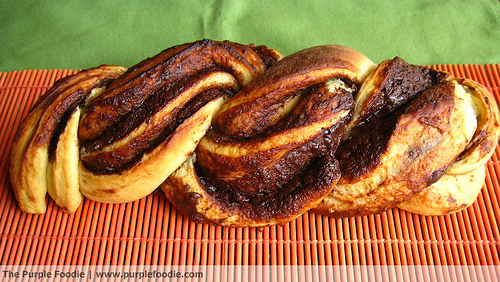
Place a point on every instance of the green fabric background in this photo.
(83, 34)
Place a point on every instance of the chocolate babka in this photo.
(239, 135)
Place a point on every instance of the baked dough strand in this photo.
(270, 155)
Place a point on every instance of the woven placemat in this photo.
(152, 232)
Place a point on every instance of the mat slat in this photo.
(151, 231)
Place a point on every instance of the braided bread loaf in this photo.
(239, 135)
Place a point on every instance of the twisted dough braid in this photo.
(414, 129)
(462, 181)
(136, 127)
(43, 152)
(239, 135)
(270, 155)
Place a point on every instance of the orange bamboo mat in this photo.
(151, 232)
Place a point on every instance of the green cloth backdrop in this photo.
(82, 34)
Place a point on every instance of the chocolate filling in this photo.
(269, 187)
(154, 103)
(60, 117)
(402, 83)
(362, 151)
(147, 88)
(312, 181)
(105, 163)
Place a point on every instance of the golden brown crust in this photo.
(463, 179)
(188, 192)
(164, 73)
(154, 167)
(317, 64)
(485, 139)
(161, 115)
(450, 194)
(35, 142)
(390, 155)
(115, 135)
(62, 172)
(269, 157)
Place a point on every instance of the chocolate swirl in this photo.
(151, 99)
(115, 135)
(270, 155)
(151, 118)
(411, 127)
